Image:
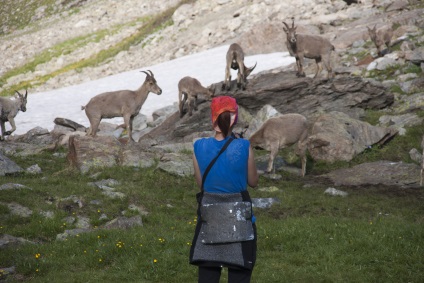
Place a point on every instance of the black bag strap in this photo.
(213, 160)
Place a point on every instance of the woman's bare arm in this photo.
(197, 174)
(252, 172)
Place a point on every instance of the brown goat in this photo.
(235, 61)
(9, 109)
(303, 46)
(280, 132)
(380, 38)
(188, 90)
(121, 103)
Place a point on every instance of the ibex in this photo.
(380, 38)
(9, 109)
(121, 103)
(280, 132)
(309, 46)
(235, 61)
(188, 89)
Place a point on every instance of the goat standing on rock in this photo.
(188, 89)
(121, 103)
(281, 132)
(9, 109)
(309, 46)
(235, 61)
(380, 38)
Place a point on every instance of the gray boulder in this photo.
(8, 167)
(124, 223)
(387, 173)
(336, 136)
(179, 164)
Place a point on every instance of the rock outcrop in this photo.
(287, 94)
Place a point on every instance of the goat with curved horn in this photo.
(309, 46)
(122, 103)
(235, 60)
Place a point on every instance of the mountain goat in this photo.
(281, 132)
(121, 103)
(380, 38)
(188, 89)
(9, 109)
(235, 61)
(303, 46)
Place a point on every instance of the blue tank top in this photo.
(229, 173)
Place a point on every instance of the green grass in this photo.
(17, 14)
(374, 234)
(45, 56)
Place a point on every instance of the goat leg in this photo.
(195, 103)
(239, 80)
(190, 105)
(228, 83)
(2, 130)
(227, 80)
(94, 124)
(272, 155)
(130, 128)
(127, 119)
(12, 123)
(327, 64)
(319, 67)
(299, 62)
(388, 47)
(182, 97)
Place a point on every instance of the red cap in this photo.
(222, 104)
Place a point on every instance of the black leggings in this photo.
(212, 275)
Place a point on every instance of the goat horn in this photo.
(26, 93)
(145, 73)
(254, 66)
(151, 73)
(293, 22)
(287, 26)
(18, 93)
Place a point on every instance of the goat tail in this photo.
(333, 48)
(82, 107)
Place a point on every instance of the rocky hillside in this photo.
(69, 42)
